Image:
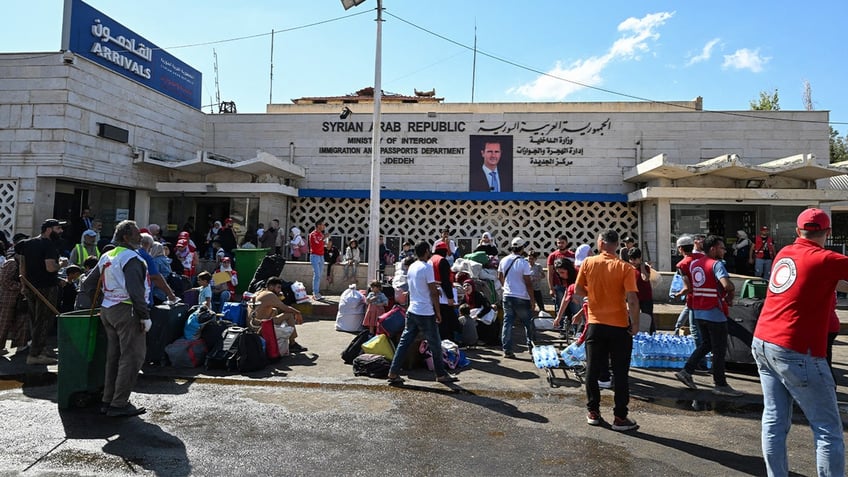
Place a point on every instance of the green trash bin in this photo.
(247, 261)
(754, 288)
(82, 358)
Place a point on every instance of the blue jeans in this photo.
(559, 293)
(786, 375)
(317, 267)
(762, 268)
(427, 325)
(516, 308)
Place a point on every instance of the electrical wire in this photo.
(603, 90)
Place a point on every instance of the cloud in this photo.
(706, 53)
(745, 59)
(636, 33)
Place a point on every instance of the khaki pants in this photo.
(125, 352)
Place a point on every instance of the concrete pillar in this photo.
(664, 235)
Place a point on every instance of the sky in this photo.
(527, 51)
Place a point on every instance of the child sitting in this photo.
(469, 326)
(377, 302)
(204, 279)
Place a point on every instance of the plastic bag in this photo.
(676, 285)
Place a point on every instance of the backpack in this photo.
(223, 352)
(249, 353)
(354, 349)
(371, 365)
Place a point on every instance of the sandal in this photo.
(395, 380)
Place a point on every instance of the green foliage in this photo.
(767, 102)
(838, 146)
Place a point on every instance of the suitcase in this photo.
(190, 297)
(235, 312)
(740, 329)
(168, 326)
(271, 266)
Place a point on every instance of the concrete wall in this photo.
(587, 151)
(49, 116)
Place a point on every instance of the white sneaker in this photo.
(317, 297)
(605, 384)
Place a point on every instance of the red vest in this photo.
(759, 247)
(705, 287)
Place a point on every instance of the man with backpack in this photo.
(267, 305)
(514, 273)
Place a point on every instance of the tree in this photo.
(767, 102)
(838, 146)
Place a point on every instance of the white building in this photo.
(75, 133)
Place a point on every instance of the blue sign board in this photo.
(101, 39)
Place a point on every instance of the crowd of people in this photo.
(602, 296)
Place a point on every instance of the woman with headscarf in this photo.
(487, 245)
(163, 265)
(741, 250)
(297, 244)
(480, 305)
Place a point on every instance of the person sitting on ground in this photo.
(204, 281)
(224, 291)
(268, 305)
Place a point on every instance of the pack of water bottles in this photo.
(574, 354)
(661, 350)
(545, 357)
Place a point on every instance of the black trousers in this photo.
(713, 338)
(608, 345)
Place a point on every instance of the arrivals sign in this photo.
(89, 33)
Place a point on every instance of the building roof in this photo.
(366, 95)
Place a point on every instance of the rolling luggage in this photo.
(740, 329)
(235, 312)
(168, 325)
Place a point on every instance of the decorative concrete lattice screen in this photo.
(537, 221)
(8, 204)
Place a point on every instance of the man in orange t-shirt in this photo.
(610, 285)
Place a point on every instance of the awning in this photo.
(206, 162)
(732, 166)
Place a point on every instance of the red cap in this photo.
(182, 242)
(183, 235)
(441, 246)
(143, 230)
(764, 227)
(813, 219)
(225, 260)
(229, 220)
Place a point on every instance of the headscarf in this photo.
(471, 294)
(157, 250)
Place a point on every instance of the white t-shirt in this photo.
(419, 277)
(514, 285)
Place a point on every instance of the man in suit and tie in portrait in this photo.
(492, 172)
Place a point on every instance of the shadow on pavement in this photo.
(748, 464)
(137, 442)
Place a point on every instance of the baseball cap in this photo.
(182, 242)
(764, 227)
(228, 220)
(225, 260)
(183, 235)
(813, 219)
(18, 237)
(441, 246)
(89, 233)
(518, 242)
(685, 240)
(52, 223)
(581, 254)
